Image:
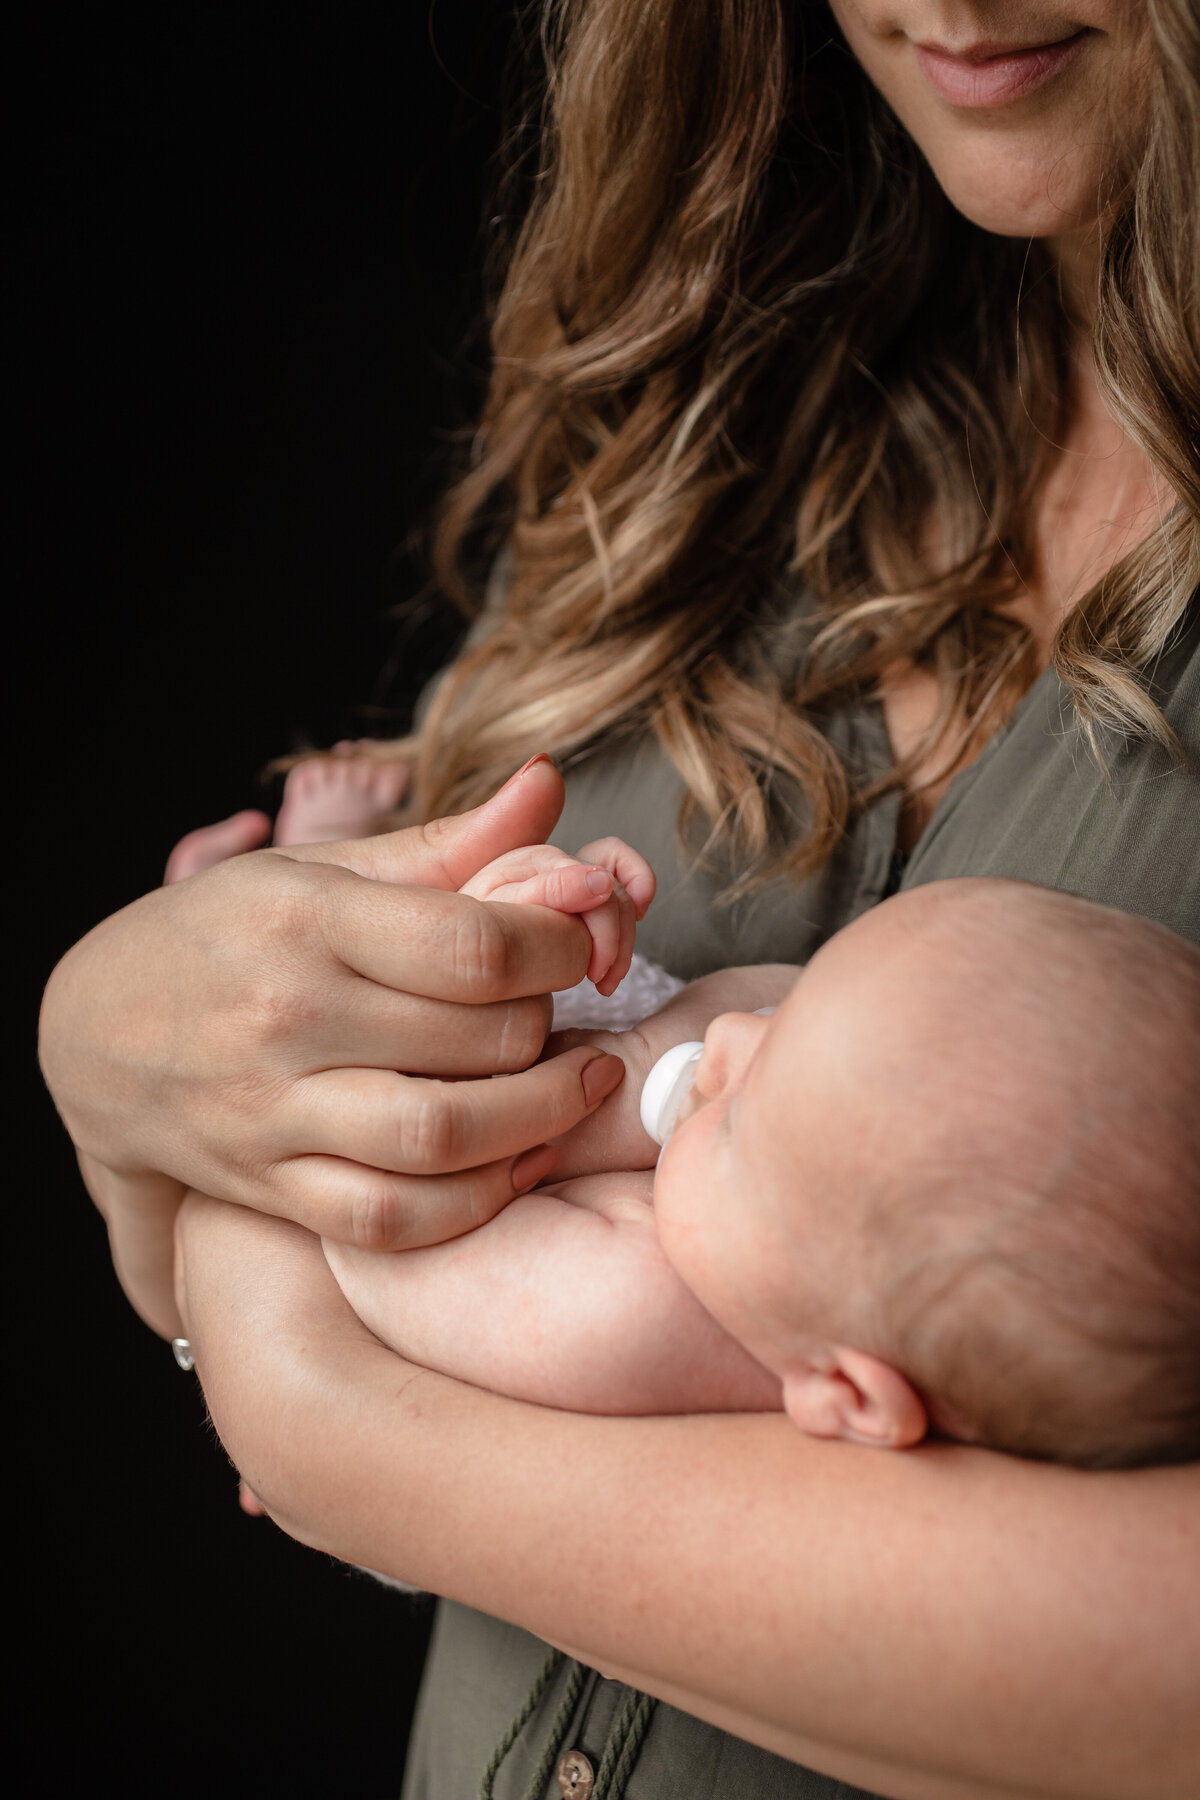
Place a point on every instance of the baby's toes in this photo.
(363, 777)
(389, 784)
(305, 780)
(343, 777)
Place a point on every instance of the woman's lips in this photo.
(994, 77)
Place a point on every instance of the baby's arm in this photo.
(564, 1298)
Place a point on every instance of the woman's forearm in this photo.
(922, 1629)
(944, 1624)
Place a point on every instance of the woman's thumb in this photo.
(447, 852)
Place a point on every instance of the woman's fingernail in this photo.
(542, 756)
(530, 1166)
(599, 881)
(601, 1076)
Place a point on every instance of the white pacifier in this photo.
(667, 1086)
(670, 1082)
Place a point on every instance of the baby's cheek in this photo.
(675, 1233)
(696, 1235)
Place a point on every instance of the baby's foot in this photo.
(344, 795)
(212, 844)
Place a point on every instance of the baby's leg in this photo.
(325, 799)
(328, 798)
(213, 844)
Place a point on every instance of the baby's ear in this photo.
(852, 1395)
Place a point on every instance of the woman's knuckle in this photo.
(278, 1009)
(483, 953)
(428, 1130)
(523, 1028)
(272, 991)
(380, 1216)
(245, 1163)
(291, 901)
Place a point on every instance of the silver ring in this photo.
(182, 1351)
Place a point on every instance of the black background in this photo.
(248, 248)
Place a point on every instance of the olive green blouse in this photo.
(1036, 806)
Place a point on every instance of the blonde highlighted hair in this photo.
(744, 346)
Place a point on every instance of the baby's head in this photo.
(954, 1183)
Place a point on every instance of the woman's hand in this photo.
(273, 1031)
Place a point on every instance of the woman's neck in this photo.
(1076, 260)
(1101, 497)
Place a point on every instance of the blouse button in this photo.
(575, 1775)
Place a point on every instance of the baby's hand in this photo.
(607, 884)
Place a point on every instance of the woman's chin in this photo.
(1019, 203)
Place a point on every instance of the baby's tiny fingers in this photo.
(572, 888)
(604, 928)
(624, 916)
(629, 867)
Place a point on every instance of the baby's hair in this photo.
(1047, 1299)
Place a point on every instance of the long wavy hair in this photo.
(745, 348)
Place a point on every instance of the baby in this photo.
(953, 1183)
